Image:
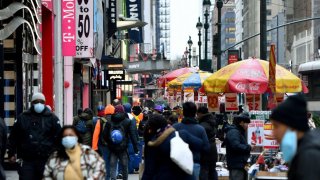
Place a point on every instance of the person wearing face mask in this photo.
(73, 160)
(32, 138)
(299, 145)
(238, 150)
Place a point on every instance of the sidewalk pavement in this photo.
(13, 175)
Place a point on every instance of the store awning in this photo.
(309, 66)
(127, 24)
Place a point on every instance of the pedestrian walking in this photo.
(98, 142)
(300, 145)
(238, 150)
(117, 133)
(190, 124)
(137, 113)
(158, 164)
(3, 146)
(84, 124)
(73, 160)
(32, 138)
(208, 160)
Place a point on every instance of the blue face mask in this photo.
(69, 141)
(39, 107)
(289, 145)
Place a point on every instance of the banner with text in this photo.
(134, 12)
(84, 22)
(68, 27)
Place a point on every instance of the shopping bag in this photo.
(181, 154)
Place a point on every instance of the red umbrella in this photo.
(163, 80)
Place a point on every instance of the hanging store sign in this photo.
(84, 33)
(134, 12)
(233, 56)
(68, 27)
(115, 74)
(112, 17)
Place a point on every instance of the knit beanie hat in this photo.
(127, 107)
(109, 110)
(118, 109)
(292, 112)
(38, 96)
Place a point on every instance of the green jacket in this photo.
(86, 137)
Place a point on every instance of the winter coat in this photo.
(120, 119)
(207, 121)
(238, 150)
(158, 164)
(3, 139)
(305, 165)
(92, 165)
(192, 126)
(33, 135)
(88, 118)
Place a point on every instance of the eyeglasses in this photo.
(38, 101)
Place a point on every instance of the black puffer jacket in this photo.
(120, 120)
(238, 150)
(33, 135)
(305, 165)
(207, 121)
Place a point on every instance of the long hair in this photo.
(60, 148)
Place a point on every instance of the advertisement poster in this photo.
(188, 95)
(269, 140)
(213, 102)
(254, 101)
(256, 133)
(178, 98)
(231, 102)
(84, 31)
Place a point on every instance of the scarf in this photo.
(73, 170)
(189, 120)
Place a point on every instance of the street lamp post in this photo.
(190, 45)
(206, 4)
(199, 27)
(219, 6)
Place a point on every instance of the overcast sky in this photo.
(184, 17)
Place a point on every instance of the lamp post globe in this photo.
(199, 27)
(206, 4)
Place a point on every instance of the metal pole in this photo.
(189, 56)
(278, 38)
(206, 26)
(199, 44)
(263, 30)
(219, 6)
(58, 63)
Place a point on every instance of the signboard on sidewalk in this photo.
(231, 102)
(68, 27)
(269, 139)
(84, 23)
(256, 133)
(213, 102)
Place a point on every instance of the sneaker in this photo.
(119, 176)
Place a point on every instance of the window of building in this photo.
(231, 29)
(230, 40)
(268, 2)
(268, 12)
(229, 20)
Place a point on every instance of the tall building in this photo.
(228, 29)
(162, 25)
(239, 23)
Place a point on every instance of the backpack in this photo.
(81, 126)
(117, 136)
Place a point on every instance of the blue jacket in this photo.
(191, 126)
(238, 150)
(158, 164)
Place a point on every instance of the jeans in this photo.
(31, 169)
(238, 174)
(105, 154)
(208, 171)
(196, 171)
(123, 160)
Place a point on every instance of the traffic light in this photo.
(215, 45)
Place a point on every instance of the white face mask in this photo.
(69, 141)
(39, 107)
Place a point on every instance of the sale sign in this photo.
(254, 101)
(269, 139)
(68, 27)
(231, 103)
(256, 133)
(213, 102)
(84, 22)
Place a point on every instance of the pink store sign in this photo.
(68, 27)
(47, 4)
